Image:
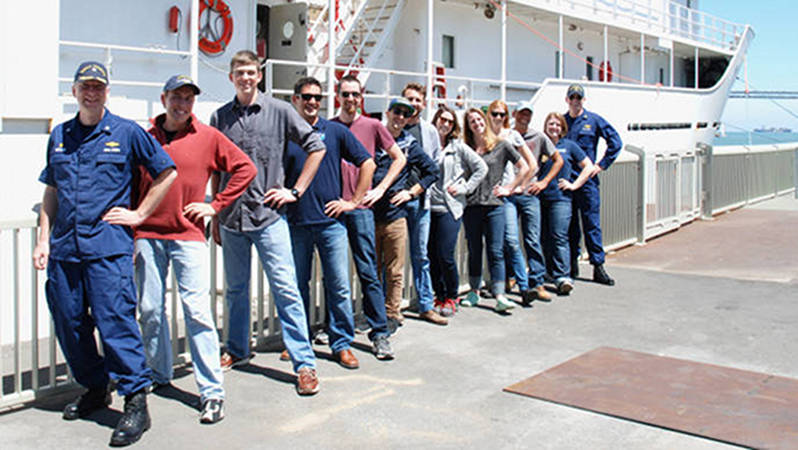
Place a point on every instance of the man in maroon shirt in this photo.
(175, 232)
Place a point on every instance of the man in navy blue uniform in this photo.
(88, 253)
(585, 128)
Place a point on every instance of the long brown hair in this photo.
(454, 133)
(490, 139)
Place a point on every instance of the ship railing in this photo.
(386, 84)
(664, 17)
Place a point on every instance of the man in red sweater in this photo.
(175, 232)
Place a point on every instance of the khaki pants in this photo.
(391, 243)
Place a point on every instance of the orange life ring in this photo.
(605, 70)
(217, 46)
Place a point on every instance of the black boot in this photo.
(600, 275)
(134, 422)
(91, 400)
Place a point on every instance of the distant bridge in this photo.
(773, 95)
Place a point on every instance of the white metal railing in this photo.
(655, 16)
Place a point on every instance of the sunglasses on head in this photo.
(354, 94)
(498, 114)
(404, 112)
(307, 97)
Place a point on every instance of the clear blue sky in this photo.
(772, 59)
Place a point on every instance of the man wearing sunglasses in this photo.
(360, 221)
(418, 212)
(585, 128)
(390, 213)
(315, 220)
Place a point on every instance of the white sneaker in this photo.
(502, 304)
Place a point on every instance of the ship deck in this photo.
(720, 292)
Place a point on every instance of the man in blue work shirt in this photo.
(585, 128)
(91, 161)
(316, 221)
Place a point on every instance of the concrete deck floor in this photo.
(721, 292)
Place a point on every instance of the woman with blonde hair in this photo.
(461, 171)
(556, 201)
(484, 216)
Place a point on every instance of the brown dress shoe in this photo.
(307, 382)
(433, 317)
(542, 293)
(284, 356)
(347, 359)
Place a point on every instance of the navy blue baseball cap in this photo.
(91, 70)
(576, 89)
(178, 81)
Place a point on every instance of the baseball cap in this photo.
(178, 81)
(403, 103)
(525, 105)
(575, 89)
(91, 70)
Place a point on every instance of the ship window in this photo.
(589, 68)
(447, 51)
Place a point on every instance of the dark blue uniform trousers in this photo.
(98, 293)
(587, 207)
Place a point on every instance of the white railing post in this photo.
(504, 52)
(193, 26)
(560, 52)
(430, 43)
(642, 58)
(606, 55)
(331, 56)
(696, 67)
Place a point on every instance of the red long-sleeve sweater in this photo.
(198, 151)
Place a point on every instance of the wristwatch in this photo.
(295, 193)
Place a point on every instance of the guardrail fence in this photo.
(638, 203)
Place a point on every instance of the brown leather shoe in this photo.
(228, 361)
(542, 294)
(284, 356)
(432, 317)
(347, 359)
(307, 383)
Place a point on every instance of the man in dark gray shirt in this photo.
(262, 126)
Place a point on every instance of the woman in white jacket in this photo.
(461, 171)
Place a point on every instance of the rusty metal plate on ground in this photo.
(730, 405)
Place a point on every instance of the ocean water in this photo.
(743, 138)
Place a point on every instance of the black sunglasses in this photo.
(404, 112)
(575, 96)
(498, 114)
(307, 97)
(354, 94)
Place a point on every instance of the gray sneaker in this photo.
(382, 348)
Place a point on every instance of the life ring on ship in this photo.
(605, 70)
(210, 46)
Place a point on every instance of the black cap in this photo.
(178, 81)
(91, 70)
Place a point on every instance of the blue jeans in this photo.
(587, 206)
(190, 263)
(330, 240)
(418, 220)
(273, 244)
(444, 230)
(487, 222)
(556, 218)
(360, 228)
(528, 206)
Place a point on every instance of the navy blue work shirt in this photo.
(417, 161)
(91, 176)
(586, 129)
(572, 155)
(326, 185)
